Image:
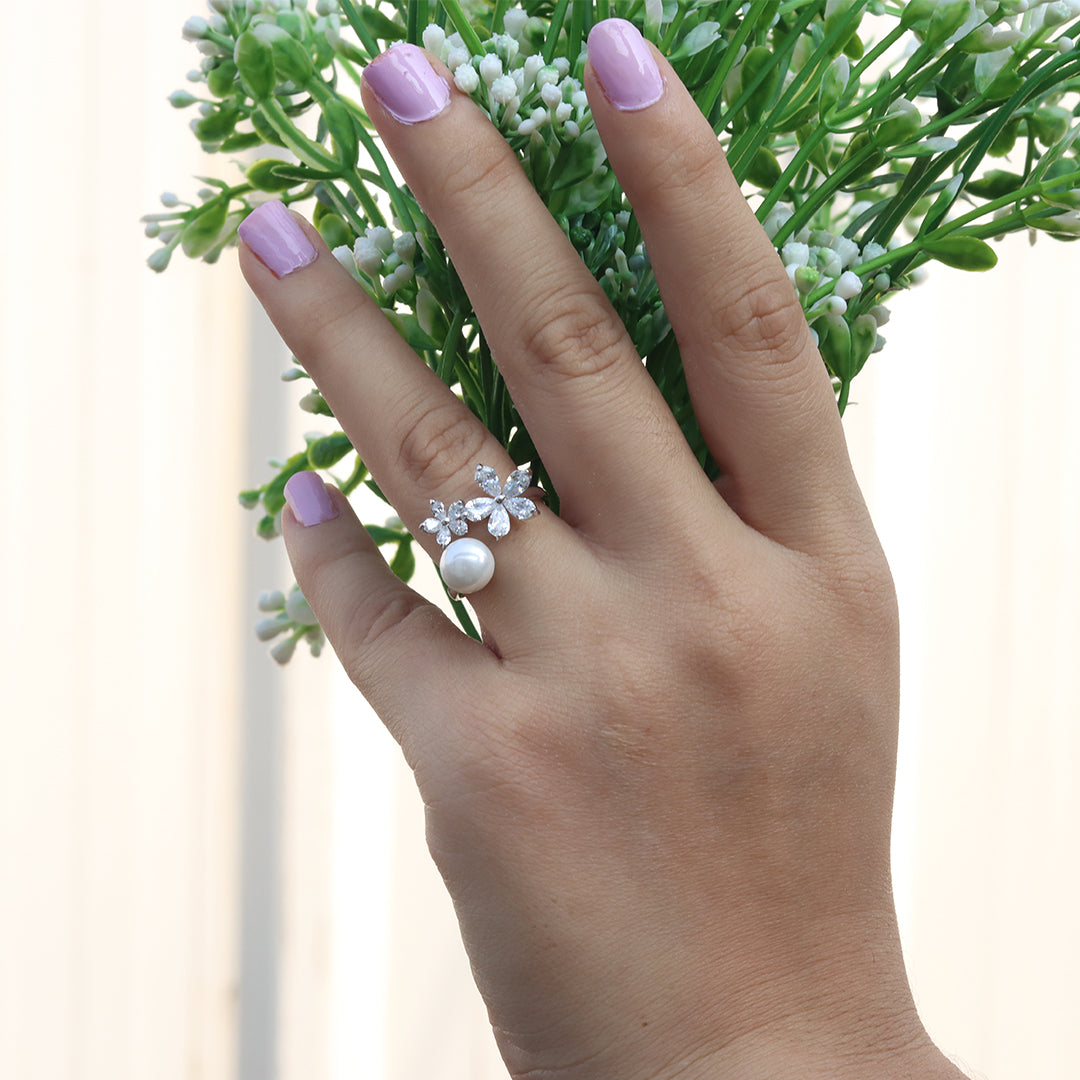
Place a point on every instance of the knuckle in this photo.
(762, 318)
(374, 624)
(478, 176)
(438, 440)
(574, 336)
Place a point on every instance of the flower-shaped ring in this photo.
(467, 564)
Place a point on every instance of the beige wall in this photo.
(162, 912)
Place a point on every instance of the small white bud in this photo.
(503, 90)
(532, 67)
(579, 99)
(571, 129)
(836, 305)
(457, 56)
(829, 262)
(527, 127)
(548, 74)
(849, 284)
(466, 78)
(562, 66)
(880, 313)
(918, 275)
(343, 254)
(381, 237)
(159, 259)
(882, 281)
(847, 249)
(563, 112)
(294, 373)
(368, 257)
(1065, 44)
(778, 217)
(795, 254)
(298, 609)
(398, 277)
(870, 251)
(514, 22)
(265, 629)
(195, 28)
(312, 402)
(490, 68)
(405, 246)
(434, 37)
(283, 650)
(539, 117)
(551, 95)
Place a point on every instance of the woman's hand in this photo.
(660, 791)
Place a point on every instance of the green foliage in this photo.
(867, 147)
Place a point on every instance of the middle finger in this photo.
(569, 364)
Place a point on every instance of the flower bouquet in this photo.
(870, 136)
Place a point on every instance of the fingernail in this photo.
(308, 499)
(624, 65)
(273, 234)
(406, 84)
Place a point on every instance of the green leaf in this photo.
(328, 450)
(292, 61)
(962, 252)
(404, 561)
(203, 231)
(379, 26)
(382, 535)
(758, 60)
(339, 122)
(261, 174)
(700, 38)
(255, 63)
(764, 170)
(994, 184)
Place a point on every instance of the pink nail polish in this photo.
(308, 499)
(624, 65)
(406, 84)
(272, 233)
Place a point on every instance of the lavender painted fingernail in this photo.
(624, 65)
(273, 234)
(308, 499)
(406, 84)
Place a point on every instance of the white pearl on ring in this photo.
(466, 565)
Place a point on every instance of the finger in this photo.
(418, 440)
(599, 422)
(401, 651)
(760, 392)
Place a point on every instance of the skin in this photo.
(660, 791)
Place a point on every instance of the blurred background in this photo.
(214, 868)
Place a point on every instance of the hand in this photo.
(660, 791)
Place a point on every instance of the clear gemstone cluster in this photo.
(467, 564)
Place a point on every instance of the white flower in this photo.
(551, 95)
(503, 90)
(298, 609)
(283, 650)
(368, 257)
(466, 78)
(795, 254)
(445, 522)
(503, 503)
(434, 37)
(514, 21)
(195, 28)
(490, 68)
(849, 284)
